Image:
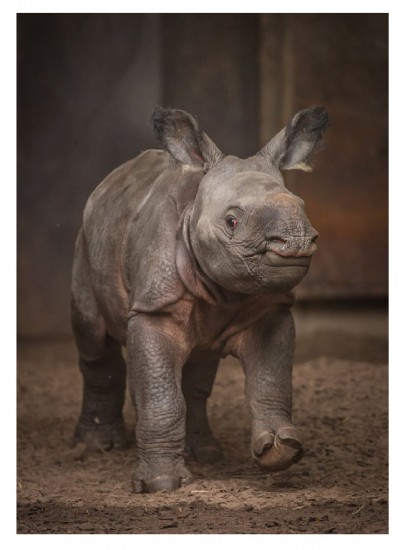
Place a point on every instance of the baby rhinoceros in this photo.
(187, 255)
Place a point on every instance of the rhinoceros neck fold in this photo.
(189, 270)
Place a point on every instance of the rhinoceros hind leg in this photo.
(197, 382)
(103, 368)
(101, 425)
(100, 438)
(204, 448)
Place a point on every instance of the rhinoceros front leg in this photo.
(266, 354)
(156, 353)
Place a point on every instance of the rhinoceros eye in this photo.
(231, 222)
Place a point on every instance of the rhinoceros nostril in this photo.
(277, 241)
(295, 246)
(277, 244)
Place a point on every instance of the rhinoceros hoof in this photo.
(148, 479)
(204, 448)
(100, 437)
(277, 451)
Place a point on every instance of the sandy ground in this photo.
(340, 486)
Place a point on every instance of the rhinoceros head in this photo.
(247, 232)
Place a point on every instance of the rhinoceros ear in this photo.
(179, 133)
(293, 146)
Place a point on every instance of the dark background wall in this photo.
(87, 84)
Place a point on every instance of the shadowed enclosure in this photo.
(87, 85)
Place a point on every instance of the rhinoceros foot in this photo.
(277, 451)
(160, 475)
(204, 448)
(100, 437)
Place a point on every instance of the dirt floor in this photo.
(340, 486)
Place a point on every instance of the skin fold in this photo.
(186, 255)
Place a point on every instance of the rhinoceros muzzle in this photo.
(300, 247)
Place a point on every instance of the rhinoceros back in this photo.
(129, 229)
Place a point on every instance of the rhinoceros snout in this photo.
(296, 247)
(288, 232)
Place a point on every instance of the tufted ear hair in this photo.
(179, 133)
(293, 146)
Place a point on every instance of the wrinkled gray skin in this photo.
(185, 256)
